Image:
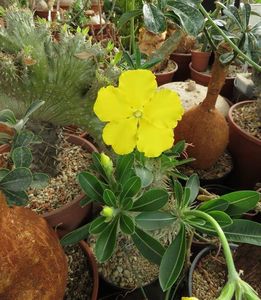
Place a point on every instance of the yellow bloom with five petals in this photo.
(138, 114)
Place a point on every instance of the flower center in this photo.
(137, 114)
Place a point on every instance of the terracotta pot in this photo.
(200, 60)
(71, 215)
(44, 14)
(87, 250)
(246, 152)
(182, 60)
(4, 149)
(166, 77)
(203, 79)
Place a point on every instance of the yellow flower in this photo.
(138, 114)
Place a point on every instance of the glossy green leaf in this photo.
(178, 148)
(106, 242)
(131, 187)
(154, 19)
(226, 58)
(244, 231)
(98, 225)
(178, 191)
(190, 18)
(173, 260)
(32, 108)
(24, 138)
(126, 203)
(241, 201)
(76, 235)
(149, 247)
(246, 12)
(22, 157)
(151, 200)
(91, 186)
(128, 16)
(109, 198)
(124, 167)
(214, 204)
(16, 198)
(127, 224)
(154, 220)
(221, 217)
(17, 180)
(193, 185)
(39, 180)
(145, 175)
(8, 117)
(232, 13)
(186, 196)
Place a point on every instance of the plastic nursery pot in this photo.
(196, 263)
(182, 60)
(246, 152)
(200, 60)
(71, 215)
(166, 77)
(87, 250)
(204, 78)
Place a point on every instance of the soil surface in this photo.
(247, 119)
(79, 285)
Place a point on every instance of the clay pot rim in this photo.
(170, 72)
(199, 51)
(86, 248)
(181, 54)
(206, 74)
(64, 207)
(237, 127)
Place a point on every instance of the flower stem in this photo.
(132, 29)
(232, 272)
(228, 40)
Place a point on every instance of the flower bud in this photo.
(107, 164)
(108, 213)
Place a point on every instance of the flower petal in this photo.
(138, 86)
(164, 109)
(122, 135)
(110, 105)
(153, 140)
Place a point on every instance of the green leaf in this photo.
(91, 186)
(246, 12)
(96, 159)
(76, 235)
(3, 173)
(148, 246)
(124, 167)
(109, 198)
(7, 117)
(150, 63)
(98, 225)
(129, 60)
(244, 231)
(190, 18)
(127, 224)
(154, 220)
(131, 187)
(23, 139)
(226, 58)
(214, 204)
(178, 148)
(22, 157)
(221, 217)
(106, 242)
(137, 56)
(40, 180)
(128, 16)
(32, 108)
(145, 175)
(17, 180)
(173, 260)
(186, 196)
(178, 190)
(193, 185)
(154, 19)
(241, 202)
(151, 200)
(126, 203)
(16, 198)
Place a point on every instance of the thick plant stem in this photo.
(228, 40)
(218, 76)
(232, 272)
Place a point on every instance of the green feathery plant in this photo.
(33, 66)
